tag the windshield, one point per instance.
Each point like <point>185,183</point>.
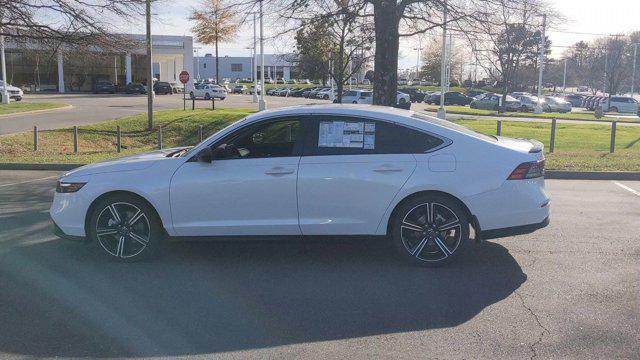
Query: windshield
<point>453,126</point>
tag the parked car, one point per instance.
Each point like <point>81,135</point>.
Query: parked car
<point>474,93</point>
<point>403,98</point>
<point>280,81</point>
<point>556,104</point>
<point>415,94</point>
<point>366,97</point>
<point>426,83</point>
<point>297,92</point>
<point>15,93</point>
<point>574,99</point>
<point>104,86</point>
<point>450,98</point>
<point>253,87</point>
<point>491,101</point>
<point>268,175</point>
<point>528,103</point>
<point>239,89</point>
<point>135,88</point>
<point>352,96</point>
<point>324,94</point>
<point>208,91</point>
<point>622,104</point>
<point>176,88</point>
<point>162,88</point>
<point>402,81</point>
<point>313,92</point>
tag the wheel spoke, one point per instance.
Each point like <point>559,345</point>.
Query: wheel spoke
<point>120,248</point>
<point>106,231</point>
<point>445,250</point>
<point>449,226</point>
<point>429,212</point>
<point>135,217</point>
<point>138,238</point>
<point>418,249</point>
<point>411,226</point>
<point>114,213</point>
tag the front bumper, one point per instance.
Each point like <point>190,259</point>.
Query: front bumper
<point>59,233</point>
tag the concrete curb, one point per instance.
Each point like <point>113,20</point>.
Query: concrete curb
<point>549,174</point>
<point>31,112</point>
<point>592,175</point>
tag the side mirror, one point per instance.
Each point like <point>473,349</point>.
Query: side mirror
<point>205,155</point>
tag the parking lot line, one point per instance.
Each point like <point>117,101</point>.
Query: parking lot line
<point>627,188</point>
<point>29,181</point>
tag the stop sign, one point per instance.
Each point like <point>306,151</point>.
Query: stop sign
<point>184,77</point>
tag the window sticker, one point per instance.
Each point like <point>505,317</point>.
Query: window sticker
<point>341,134</point>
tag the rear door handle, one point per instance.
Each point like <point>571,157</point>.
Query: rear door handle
<point>278,170</point>
<point>387,168</point>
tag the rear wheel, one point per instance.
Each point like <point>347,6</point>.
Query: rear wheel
<point>430,230</point>
<point>191,95</point>
<point>614,109</point>
<point>124,228</point>
<point>207,96</point>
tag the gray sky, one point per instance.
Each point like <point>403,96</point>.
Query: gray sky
<point>584,19</point>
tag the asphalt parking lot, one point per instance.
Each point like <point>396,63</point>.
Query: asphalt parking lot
<point>570,290</point>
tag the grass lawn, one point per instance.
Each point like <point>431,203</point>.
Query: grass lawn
<point>465,110</point>
<point>578,146</point>
<point>19,106</point>
<point>98,142</point>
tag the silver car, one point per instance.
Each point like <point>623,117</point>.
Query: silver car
<point>556,104</point>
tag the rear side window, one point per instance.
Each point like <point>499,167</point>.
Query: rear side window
<point>333,135</point>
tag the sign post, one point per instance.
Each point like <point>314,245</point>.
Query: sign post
<point>184,79</point>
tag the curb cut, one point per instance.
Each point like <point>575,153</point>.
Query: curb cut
<point>592,175</point>
<point>549,174</point>
<point>31,112</point>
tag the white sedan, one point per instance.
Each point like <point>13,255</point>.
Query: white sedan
<point>15,93</point>
<point>330,169</point>
<point>207,92</point>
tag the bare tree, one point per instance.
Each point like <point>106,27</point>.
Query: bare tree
<point>215,23</point>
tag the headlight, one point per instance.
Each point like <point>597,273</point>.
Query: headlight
<point>68,187</point>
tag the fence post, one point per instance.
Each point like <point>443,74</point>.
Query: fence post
<point>193,103</point>
<point>35,138</point>
<point>118,139</point>
<point>160,137</point>
<point>213,103</point>
<point>75,139</point>
<point>552,143</point>
<point>200,133</point>
<point>612,147</point>
<point>499,130</point>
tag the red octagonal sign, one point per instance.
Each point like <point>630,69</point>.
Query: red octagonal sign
<point>184,77</point>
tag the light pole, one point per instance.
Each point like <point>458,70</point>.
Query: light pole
<point>262,105</point>
<point>538,109</point>
<point>633,73</point>
<point>442,113</point>
<point>5,92</point>
<point>254,71</point>
<point>419,48</point>
<point>195,51</point>
<point>564,77</point>
<point>150,93</point>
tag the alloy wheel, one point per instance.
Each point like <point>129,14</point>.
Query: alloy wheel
<point>431,232</point>
<point>123,230</point>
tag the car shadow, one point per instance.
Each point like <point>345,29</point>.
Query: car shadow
<point>60,299</point>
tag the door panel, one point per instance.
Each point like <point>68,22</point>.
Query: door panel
<point>348,194</point>
<point>236,197</point>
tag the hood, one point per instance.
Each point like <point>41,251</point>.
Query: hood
<point>10,87</point>
<point>125,163</point>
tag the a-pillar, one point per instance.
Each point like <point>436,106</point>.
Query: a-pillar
<point>60,72</point>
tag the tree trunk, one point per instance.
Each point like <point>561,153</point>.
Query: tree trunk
<point>217,72</point>
<point>385,79</point>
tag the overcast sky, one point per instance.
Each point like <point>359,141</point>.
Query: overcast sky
<point>584,18</point>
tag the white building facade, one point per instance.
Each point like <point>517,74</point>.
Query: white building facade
<point>238,67</point>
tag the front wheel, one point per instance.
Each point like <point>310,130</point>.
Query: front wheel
<point>430,230</point>
<point>124,228</point>
<point>207,96</point>
<point>191,95</point>
<point>614,109</point>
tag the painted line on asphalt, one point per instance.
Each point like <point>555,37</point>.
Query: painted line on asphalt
<point>627,188</point>
<point>29,181</point>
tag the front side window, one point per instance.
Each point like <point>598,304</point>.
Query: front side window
<point>270,139</point>
<point>335,135</point>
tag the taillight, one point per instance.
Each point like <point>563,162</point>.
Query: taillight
<point>528,170</point>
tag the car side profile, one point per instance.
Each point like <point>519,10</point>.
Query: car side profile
<point>325,170</point>
<point>207,92</point>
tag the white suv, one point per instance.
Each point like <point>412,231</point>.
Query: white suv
<point>621,104</point>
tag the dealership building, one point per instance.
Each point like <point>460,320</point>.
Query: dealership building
<point>35,69</point>
<point>240,67</point>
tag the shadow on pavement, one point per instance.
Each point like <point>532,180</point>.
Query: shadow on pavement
<point>59,299</point>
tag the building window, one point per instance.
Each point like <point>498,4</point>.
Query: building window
<point>236,67</point>
<point>204,65</point>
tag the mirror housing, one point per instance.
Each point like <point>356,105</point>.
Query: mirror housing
<point>205,155</point>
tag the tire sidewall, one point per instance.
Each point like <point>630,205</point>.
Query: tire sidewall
<point>155,225</point>
<point>404,208</point>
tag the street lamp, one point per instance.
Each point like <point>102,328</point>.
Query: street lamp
<point>5,92</point>
<point>418,49</point>
<point>262,105</point>
<point>150,73</point>
<point>442,113</point>
<point>254,70</point>
<point>538,108</point>
<point>633,74</point>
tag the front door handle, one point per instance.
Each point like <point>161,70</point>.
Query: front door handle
<point>278,170</point>
<point>387,168</point>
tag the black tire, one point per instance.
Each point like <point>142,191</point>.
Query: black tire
<point>424,246</point>
<point>207,96</point>
<point>146,226</point>
<point>402,101</point>
<point>613,109</point>
<point>326,97</point>
<point>191,95</point>
<point>354,102</point>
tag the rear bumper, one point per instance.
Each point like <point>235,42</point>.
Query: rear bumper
<point>513,231</point>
